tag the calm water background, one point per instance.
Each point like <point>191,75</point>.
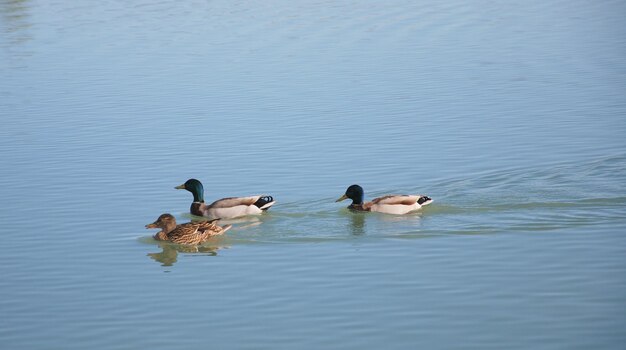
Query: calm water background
<point>512,116</point>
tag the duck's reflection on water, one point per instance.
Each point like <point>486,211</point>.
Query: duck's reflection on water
<point>410,217</point>
<point>357,224</point>
<point>169,254</point>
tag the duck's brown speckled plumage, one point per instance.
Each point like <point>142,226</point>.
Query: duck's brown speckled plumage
<point>191,233</point>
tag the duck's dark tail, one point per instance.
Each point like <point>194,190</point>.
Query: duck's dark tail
<point>265,202</point>
<point>423,200</point>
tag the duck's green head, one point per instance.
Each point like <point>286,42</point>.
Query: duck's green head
<point>195,187</point>
<point>354,192</point>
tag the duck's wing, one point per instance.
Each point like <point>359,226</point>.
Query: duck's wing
<point>207,225</point>
<point>185,234</point>
<point>234,201</point>
<point>397,199</point>
<point>214,230</point>
<point>227,208</point>
<point>204,223</point>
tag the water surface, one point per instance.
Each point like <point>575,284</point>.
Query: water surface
<point>511,116</point>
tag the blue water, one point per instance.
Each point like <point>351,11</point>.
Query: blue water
<point>512,116</point>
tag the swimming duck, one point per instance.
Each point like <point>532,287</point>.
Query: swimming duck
<point>225,208</point>
<point>189,233</point>
<point>390,204</point>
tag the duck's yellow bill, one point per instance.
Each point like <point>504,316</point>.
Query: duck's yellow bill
<point>152,225</point>
<point>180,187</point>
<point>342,198</point>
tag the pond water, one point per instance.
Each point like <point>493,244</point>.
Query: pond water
<point>511,116</point>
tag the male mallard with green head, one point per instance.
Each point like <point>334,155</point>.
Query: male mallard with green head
<point>390,204</point>
<point>225,208</point>
<point>190,233</point>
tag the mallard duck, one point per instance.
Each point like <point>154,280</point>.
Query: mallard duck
<point>390,204</point>
<point>189,233</point>
<point>225,208</point>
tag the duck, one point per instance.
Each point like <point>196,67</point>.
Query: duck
<point>225,208</point>
<point>398,204</point>
<point>191,233</point>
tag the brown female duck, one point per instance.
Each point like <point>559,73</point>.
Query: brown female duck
<point>192,233</point>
